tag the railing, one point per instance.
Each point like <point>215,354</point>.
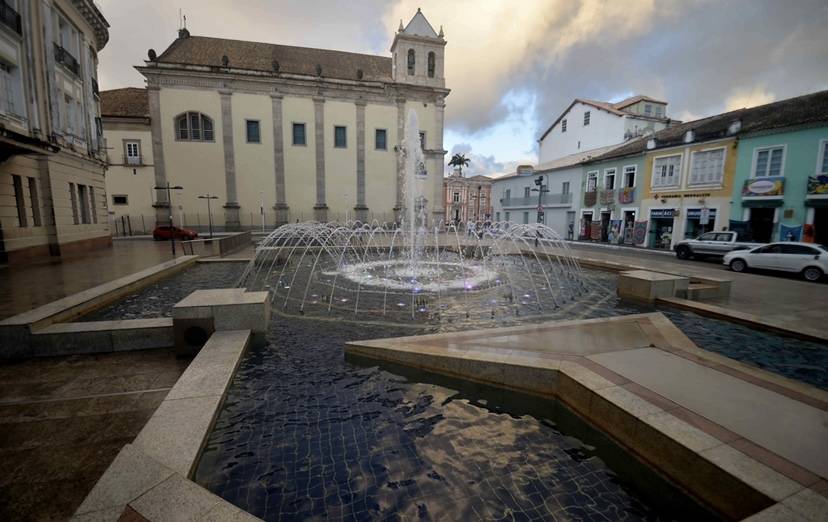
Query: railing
<point>62,56</point>
<point>95,89</point>
<point>532,201</point>
<point>590,198</point>
<point>626,196</point>
<point>133,161</point>
<point>10,18</point>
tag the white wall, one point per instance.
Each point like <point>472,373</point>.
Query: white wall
<point>603,129</point>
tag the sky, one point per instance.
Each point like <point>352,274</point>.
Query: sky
<point>514,66</point>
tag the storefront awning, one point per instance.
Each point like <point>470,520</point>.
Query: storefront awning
<point>762,203</point>
<point>817,203</point>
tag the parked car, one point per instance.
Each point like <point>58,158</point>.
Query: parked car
<point>162,233</point>
<point>712,244</point>
<point>807,259</point>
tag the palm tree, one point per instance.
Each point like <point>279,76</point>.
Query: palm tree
<point>459,161</point>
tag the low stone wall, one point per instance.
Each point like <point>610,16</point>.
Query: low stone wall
<point>16,331</point>
<point>102,336</point>
<point>220,246</point>
<point>150,478</point>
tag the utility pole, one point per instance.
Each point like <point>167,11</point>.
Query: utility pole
<point>168,188</point>
<point>208,197</point>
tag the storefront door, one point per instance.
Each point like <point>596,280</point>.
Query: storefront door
<point>605,222</point>
<point>761,224</point>
<point>661,227</point>
<point>821,226</point>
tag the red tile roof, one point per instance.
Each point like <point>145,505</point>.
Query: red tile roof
<point>130,102</point>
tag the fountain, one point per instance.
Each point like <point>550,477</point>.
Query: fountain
<point>415,270</point>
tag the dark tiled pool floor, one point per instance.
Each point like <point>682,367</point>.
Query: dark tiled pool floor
<point>304,435</point>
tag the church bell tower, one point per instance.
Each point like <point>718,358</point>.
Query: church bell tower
<point>418,53</point>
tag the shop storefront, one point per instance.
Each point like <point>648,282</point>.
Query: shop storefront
<point>662,222</point>
<point>699,221</point>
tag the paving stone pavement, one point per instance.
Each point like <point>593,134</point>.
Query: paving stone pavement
<point>63,420</point>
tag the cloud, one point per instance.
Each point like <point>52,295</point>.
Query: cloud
<point>482,165</point>
<point>701,56</point>
<point>750,97</point>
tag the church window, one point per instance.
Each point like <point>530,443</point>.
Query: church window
<point>194,126</point>
<point>380,139</point>
<point>254,134</point>
<point>586,118</point>
<point>563,125</point>
<point>340,137</point>
<point>431,64</point>
<point>299,134</point>
<point>411,62</point>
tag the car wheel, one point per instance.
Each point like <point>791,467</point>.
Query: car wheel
<point>683,252</point>
<point>157,238</point>
<point>812,273</point>
<point>738,265</point>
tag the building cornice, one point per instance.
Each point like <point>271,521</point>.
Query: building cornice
<point>93,17</point>
<point>288,84</point>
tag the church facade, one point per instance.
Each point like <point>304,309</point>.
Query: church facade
<point>294,133</point>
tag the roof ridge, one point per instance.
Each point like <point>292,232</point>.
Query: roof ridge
<point>281,45</point>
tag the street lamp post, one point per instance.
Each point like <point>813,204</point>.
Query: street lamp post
<point>541,188</point>
<point>168,188</point>
<point>261,209</point>
<point>479,188</point>
<point>208,197</point>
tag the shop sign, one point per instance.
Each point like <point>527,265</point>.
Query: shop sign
<point>656,213</point>
<point>818,185</point>
<point>704,216</point>
<point>764,187</point>
<point>698,213</point>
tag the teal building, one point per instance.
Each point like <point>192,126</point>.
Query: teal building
<point>781,183</point>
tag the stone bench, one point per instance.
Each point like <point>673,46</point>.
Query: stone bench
<point>643,285</point>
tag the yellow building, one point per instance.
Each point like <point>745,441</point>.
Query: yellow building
<point>688,188</point>
<point>295,133</point>
<point>52,199</point>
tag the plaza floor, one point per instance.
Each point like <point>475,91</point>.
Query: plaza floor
<point>23,287</point>
<point>63,420</point>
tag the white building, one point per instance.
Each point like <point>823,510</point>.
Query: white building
<point>300,133</point>
<point>589,124</point>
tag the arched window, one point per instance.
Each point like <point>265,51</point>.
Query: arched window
<point>431,64</point>
<point>411,62</point>
<point>193,126</point>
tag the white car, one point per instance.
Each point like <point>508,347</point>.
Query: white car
<point>808,259</point>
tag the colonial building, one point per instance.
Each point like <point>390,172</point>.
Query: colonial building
<point>130,179</point>
<point>311,134</point>
<point>781,178</point>
<point>517,198</point>
<point>467,199</point>
<point>590,124</point>
<point>612,192</point>
<point>52,197</point>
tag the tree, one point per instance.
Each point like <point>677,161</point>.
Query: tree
<point>459,161</point>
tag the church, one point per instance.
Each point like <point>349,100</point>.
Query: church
<point>287,133</point>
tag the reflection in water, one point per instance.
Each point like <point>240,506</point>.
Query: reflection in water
<point>306,434</point>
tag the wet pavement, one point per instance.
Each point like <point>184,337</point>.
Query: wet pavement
<point>23,287</point>
<point>63,420</point>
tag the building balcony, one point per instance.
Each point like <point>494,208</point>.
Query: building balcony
<point>590,198</point>
<point>10,18</point>
<point>607,197</point>
<point>548,200</point>
<point>63,57</point>
<point>95,90</point>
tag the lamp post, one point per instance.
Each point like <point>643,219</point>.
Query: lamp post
<point>477,217</point>
<point>208,197</point>
<point>541,188</point>
<point>261,209</point>
<point>168,188</point>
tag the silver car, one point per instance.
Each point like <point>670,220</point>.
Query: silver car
<point>808,259</point>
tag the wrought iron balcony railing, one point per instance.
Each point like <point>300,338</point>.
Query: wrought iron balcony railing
<point>590,198</point>
<point>62,56</point>
<point>607,197</point>
<point>10,18</point>
<point>532,201</point>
